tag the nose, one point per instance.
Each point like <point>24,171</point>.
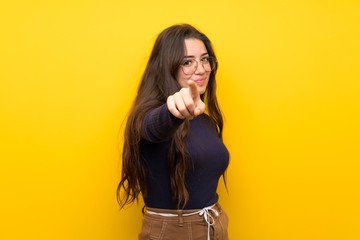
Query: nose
<point>200,68</point>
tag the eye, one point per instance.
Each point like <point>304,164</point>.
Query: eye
<point>188,62</point>
<point>206,59</point>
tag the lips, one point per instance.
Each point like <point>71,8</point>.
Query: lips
<point>200,81</point>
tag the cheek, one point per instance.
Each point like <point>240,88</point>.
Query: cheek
<point>207,82</point>
<point>182,79</point>
<point>207,79</point>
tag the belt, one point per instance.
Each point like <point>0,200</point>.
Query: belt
<point>209,219</point>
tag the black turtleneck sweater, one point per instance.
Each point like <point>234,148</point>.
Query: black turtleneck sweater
<point>209,159</point>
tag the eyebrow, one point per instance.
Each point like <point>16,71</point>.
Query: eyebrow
<point>194,56</point>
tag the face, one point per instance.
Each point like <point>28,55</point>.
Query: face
<point>195,49</point>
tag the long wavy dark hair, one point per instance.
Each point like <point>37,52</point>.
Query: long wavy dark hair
<point>158,82</point>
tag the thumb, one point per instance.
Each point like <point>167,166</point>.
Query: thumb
<point>200,108</point>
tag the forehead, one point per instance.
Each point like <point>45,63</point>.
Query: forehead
<point>194,47</point>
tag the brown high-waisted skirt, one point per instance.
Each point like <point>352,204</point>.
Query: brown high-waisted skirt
<point>195,224</point>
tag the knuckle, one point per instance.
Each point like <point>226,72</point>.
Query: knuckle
<point>171,108</point>
<point>183,90</point>
<point>182,109</point>
<point>190,105</point>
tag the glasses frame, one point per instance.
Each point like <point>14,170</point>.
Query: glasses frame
<point>202,63</point>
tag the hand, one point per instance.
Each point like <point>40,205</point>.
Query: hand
<point>186,103</point>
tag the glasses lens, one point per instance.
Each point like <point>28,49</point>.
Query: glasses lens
<point>189,66</point>
<point>210,64</point>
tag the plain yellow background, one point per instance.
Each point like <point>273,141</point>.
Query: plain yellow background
<point>288,84</point>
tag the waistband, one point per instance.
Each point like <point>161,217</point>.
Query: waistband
<point>207,213</point>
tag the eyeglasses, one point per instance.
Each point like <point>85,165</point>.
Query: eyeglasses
<point>189,66</point>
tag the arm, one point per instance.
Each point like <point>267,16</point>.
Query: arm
<point>159,124</point>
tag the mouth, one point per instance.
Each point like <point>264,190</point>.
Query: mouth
<point>200,81</point>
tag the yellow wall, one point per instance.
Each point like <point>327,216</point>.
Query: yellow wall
<point>288,85</point>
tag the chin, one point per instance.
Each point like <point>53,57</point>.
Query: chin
<point>202,91</point>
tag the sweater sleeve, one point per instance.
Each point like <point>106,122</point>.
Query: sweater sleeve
<point>159,124</point>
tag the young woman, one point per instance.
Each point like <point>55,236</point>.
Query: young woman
<point>173,152</point>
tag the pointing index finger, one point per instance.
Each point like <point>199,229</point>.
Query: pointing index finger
<point>193,89</point>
